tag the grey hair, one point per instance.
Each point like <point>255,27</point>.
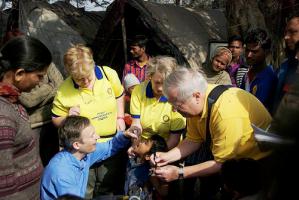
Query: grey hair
<point>186,81</point>
<point>162,64</point>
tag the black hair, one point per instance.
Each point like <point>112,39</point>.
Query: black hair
<point>159,144</point>
<point>235,38</point>
<point>24,52</point>
<point>258,36</point>
<point>71,130</point>
<point>139,40</point>
<point>242,175</point>
<point>292,16</point>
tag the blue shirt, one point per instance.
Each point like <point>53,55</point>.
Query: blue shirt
<point>137,175</point>
<point>65,174</point>
<point>262,86</point>
<point>285,74</point>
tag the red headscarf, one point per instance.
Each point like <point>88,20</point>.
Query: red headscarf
<point>10,92</point>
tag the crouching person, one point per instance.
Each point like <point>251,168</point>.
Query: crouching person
<point>67,172</point>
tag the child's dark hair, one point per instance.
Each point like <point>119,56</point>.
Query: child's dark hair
<point>235,38</point>
<point>71,130</point>
<point>159,144</point>
<point>139,40</point>
<point>242,175</point>
<point>258,36</point>
<point>24,52</point>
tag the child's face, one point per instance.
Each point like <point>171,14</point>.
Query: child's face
<point>142,147</point>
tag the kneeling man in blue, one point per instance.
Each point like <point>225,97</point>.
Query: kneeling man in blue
<point>67,172</point>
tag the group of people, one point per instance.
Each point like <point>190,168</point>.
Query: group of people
<point>175,113</point>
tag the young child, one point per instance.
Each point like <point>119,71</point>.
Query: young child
<point>130,81</point>
<point>139,182</point>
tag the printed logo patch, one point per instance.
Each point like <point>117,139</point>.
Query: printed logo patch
<point>101,116</point>
<point>166,118</point>
<point>109,91</point>
<point>254,89</point>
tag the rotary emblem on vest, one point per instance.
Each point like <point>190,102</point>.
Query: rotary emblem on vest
<point>165,118</point>
<point>109,91</point>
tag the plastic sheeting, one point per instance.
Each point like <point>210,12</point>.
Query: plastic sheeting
<point>58,26</point>
<point>173,30</point>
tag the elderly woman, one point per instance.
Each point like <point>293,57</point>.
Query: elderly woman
<point>214,72</point>
<point>23,63</point>
<point>94,92</point>
<point>150,110</point>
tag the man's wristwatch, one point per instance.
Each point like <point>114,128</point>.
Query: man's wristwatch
<point>181,172</point>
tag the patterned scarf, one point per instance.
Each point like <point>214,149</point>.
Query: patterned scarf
<point>9,92</point>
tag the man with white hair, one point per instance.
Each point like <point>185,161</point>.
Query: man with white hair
<point>230,127</point>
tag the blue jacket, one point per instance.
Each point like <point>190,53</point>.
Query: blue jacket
<point>263,86</point>
<point>285,77</point>
<point>65,174</point>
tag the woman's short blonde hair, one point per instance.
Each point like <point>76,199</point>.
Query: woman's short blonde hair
<point>162,64</point>
<point>223,50</point>
<point>78,61</point>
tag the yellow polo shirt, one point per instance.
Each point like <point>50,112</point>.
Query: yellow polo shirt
<point>230,125</point>
<point>156,115</point>
<point>98,104</point>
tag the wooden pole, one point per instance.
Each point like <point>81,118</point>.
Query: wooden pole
<point>124,36</point>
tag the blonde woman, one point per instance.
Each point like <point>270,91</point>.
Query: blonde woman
<point>150,110</point>
<point>96,93</point>
<point>154,115</point>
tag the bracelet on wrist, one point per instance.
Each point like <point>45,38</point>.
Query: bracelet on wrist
<point>120,118</point>
<point>181,171</point>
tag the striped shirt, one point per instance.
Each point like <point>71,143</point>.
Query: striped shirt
<point>20,167</point>
<point>133,67</point>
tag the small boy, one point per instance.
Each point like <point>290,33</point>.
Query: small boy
<point>139,181</point>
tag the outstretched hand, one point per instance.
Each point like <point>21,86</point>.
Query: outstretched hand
<point>133,132</point>
<point>167,173</point>
<point>159,159</point>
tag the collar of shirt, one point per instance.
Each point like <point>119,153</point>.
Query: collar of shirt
<point>150,93</point>
<point>139,64</point>
<point>262,73</point>
<point>204,113</point>
<point>80,164</point>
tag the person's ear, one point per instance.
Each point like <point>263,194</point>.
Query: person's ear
<point>197,95</point>
<point>76,145</point>
<point>20,74</point>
